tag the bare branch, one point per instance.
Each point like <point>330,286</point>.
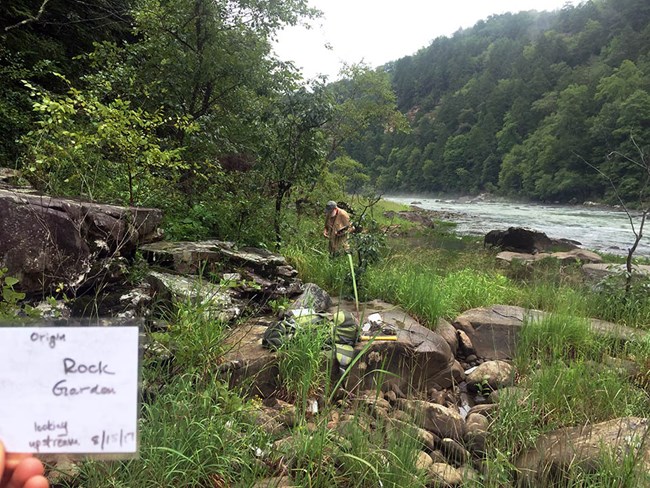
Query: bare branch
<point>29,19</point>
<point>611,182</point>
<point>627,158</point>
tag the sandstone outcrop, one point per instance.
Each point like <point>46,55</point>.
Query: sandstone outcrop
<point>45,241</point>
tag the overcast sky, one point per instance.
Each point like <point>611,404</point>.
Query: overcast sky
<point>378,31</point>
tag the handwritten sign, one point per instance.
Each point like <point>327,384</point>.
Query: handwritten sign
<point>70,390</point>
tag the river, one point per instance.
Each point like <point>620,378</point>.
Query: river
<point>600,229</point>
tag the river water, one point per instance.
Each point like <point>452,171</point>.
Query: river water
<point>606,230</point>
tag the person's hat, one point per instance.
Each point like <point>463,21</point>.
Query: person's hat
<point>331,205</point>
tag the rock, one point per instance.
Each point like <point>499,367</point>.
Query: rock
<point>53,309</point>
<point>435,418</point>
<point>423,461</point>
<point>115,301</point>
<point>522,257</point>
<point>476,428</point>
<point>45,241</point>
<point>492,375</point>
<point>584,446</point>
<point>247,364</point>
<point>568,257</point>
<point>264,273</point>
<point>518,239</point>
<point>625,367</point>
<point>448,333</point>
<point>313,297</point>
<point>598,271</point>
<point>455,453</point>
<point>496,329</point>
<point>371,400</point>
<point>465,325</point>
<point>445,474</point>
<point>465,344</point>
<point>577,255</point>
<point>390,397</point>
<point>418,360</point>
<point>487,409</point>
<point>476,422</point>
<point>210,299</point>
<point>429,440</point>
<point>437,456</point>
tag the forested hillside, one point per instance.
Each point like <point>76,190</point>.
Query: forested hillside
<point>520,103</point>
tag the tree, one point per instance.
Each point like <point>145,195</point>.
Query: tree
<point>363,98</point>
<point>643,166</point>
<point>101,150</point>
<point>295,151</point>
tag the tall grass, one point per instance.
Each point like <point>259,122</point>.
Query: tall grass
<point>189,437</point>
<point>429,295</point>
<point>556,337</point>
<point>304,365</point>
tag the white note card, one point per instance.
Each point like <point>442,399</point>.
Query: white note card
<point>71,390</point>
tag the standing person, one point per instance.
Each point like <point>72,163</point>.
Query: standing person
<point>337,226</point>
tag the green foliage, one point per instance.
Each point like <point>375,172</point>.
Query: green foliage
<point>9,303</point>
<point>195,337</point>
<point>302,365</point>
<point>189,437</point>
<point>614,303</point>
<point>555,338</point>
<point>429,295</point>
<point>559,391</point>
<point>80,141</point>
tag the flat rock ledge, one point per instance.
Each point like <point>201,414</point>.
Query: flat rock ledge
<point>567,257</point>
<point>598,271</point>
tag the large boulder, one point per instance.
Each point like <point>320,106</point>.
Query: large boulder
<point>586,447</point>
<point>46,241</point>
<point>518,239</point>
<point>418,360</point>
<point>493,330</point>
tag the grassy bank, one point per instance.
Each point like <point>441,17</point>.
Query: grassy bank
<point>195,431</point>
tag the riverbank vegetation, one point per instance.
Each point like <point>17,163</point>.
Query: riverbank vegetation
<point>196,431</point>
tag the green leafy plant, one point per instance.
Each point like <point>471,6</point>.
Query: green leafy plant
<point>10,303</point>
